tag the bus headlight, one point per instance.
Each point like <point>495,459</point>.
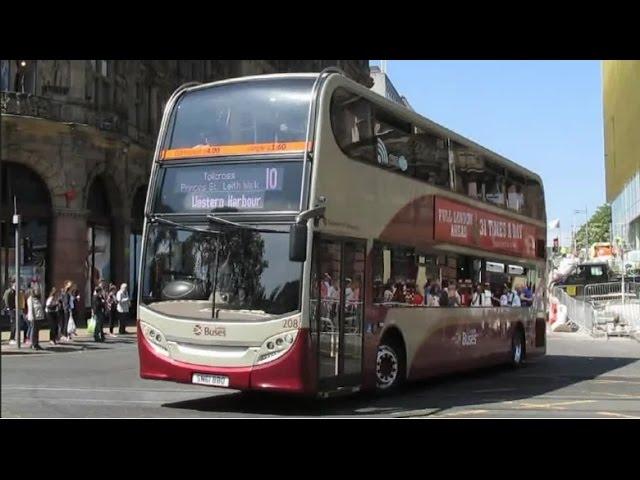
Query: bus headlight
<point>276,346</point>
<point>155,337</point>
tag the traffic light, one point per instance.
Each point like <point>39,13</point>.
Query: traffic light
<point>27,249</point>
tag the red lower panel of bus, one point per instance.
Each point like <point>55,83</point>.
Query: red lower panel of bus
<point>289,373</point>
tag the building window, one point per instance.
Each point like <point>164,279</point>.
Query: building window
<point>34,204</point>
<point>101,67</point>
<point>24,78</point>
<point>4,75</point>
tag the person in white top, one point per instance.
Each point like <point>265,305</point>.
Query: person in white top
<point>122,306</point>
<point>514,298</point>
<point>504,298</point>
<point>486,296</point>
<point>476,298</point>
<point>35,314</point>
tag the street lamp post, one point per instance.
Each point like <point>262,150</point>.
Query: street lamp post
<point>16,222</point>
<point>586,227</point>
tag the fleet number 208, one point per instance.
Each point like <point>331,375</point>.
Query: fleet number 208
<point>291,323</point>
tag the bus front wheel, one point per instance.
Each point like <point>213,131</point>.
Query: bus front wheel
<point>389,366</point>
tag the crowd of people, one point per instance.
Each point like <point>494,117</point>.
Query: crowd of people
<point>109,304</point>
<point>462,293</point>
<point>452,294</point>
<point>61,310</point>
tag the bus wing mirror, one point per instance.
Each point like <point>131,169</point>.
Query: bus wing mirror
<point>298,242</point>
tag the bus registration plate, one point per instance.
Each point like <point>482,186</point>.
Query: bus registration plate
<point>211,380</point>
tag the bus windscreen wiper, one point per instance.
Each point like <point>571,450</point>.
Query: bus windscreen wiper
<point>164,221</point>
<point>229,223</point>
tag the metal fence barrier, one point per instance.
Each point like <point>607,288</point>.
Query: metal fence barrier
<point>604,309</point>
<point>582,314</point>
<point>611,291</point>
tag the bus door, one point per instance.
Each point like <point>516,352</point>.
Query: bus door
<point>337,310</point>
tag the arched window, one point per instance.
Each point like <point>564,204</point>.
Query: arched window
<point>34,205</point>
<point>98,202</point>
<point>99,264</point>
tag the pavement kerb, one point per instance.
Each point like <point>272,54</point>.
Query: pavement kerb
<point>80,343</point>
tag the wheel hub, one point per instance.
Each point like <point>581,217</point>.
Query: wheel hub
<point>517,352</point>
<point>386,367</point>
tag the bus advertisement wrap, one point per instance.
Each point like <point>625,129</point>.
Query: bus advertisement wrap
<point>464,225</point>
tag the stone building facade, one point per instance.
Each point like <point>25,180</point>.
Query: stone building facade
<point>76,145</point>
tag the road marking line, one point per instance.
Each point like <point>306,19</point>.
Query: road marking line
<point>83,400</point>
<point>558,405</point>
<point>87,389</point>
<point>415,413</point>
<point>463,412</point>
<point>613,414</point>
<point>616,381</point>
<point>621,395</point>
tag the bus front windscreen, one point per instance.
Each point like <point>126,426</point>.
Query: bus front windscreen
<point>248,117</point>
<point>244,274</point>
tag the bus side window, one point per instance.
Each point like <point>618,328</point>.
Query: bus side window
<point>351,122</point>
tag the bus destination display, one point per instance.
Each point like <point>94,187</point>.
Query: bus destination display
<point>230,188</point>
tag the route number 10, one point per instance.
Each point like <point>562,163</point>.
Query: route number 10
<point>271,178</point>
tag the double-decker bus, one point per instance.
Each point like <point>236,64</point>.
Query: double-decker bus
<point>300,230</point>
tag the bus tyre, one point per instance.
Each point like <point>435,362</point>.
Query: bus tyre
<point>517,348</point>
<point>390,366</point>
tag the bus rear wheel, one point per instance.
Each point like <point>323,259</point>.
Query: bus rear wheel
<point>517,348</point>
<point>389,366</point>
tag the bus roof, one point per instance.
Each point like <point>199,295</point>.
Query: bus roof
<point>410,115</point>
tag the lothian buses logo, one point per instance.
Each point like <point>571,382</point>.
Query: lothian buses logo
<point>209,331</point>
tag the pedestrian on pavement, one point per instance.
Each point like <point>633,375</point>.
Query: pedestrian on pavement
<point>476,298</point>
<point>75,311</point>
<point>122,298</point>
<point>27,325</point>
<point>35,315</point>
<point>51,309</point>
<point>112,308</point>
<point>9,302</point>
<point>66,310</point>
<point>514,297</point>
<point>71,322</point>
<point>487,296</point>
<point>526,297</point>
<point>98,306</point>
<point>443,301</point>
<point>504,296</point>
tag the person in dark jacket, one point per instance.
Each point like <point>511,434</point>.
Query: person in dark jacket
<point>98,305</point>
<point>51,310</point>
<point>112,308</point>
<point>66,310</point>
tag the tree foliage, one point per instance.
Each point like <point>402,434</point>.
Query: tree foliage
<point>599,228</point>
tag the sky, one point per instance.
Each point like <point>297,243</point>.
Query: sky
<point>543,115</point>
